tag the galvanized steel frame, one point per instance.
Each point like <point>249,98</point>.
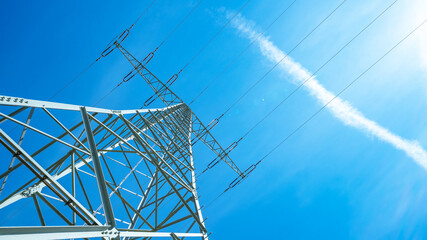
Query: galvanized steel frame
<point>161,137</point>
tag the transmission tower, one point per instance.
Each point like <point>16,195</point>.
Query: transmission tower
<point>113,174</point>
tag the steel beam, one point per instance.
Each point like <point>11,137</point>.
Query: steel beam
<point>193,184</point>
<point>23,102</point>
<point>70,232</point>
<point>102,187</point>
<point>162,171</point>
<point>161,137</point>
<point>18,195</point>
<point>49,232</point>
<point>24,157</point>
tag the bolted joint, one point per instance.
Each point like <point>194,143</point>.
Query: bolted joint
<point>68,202</point>
<point>17,153</point>
<point>111,233</point>
<point>29,192</point>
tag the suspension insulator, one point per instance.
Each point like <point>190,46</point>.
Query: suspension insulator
<point>231,147</point>
<point>149,101</point>
<point>148,58</point>
<point>213,163</point>
<point>249,170</point>
<point>117,40</point>
<point>236,181</point>
<point>172,79</point>
<point>212,124</point>
<point>130,75</point>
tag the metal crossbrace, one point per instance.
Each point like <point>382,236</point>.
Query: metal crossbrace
<point>140,161</point>
<point>169,98</point>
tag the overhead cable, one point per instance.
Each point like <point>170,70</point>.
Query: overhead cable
<point>110,47</point>
<point>241,53</point>
<point>150,55</point>
<point>234,144</point>
<point>253,166</point>
<point>174,77</point>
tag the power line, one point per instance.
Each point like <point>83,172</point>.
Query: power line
<point>75,78</point>
<point>344,89</point>
<point>234,144</point>
<point>14,213</point>
<point>107,51</point>
<point>177,26</point>
<point>214,122</point>
<point>175,76</point>
<point>142,14</point>
<point>150,55</point>
<point>241,53</point>
<point>253,166</point>
<point>108,94</point>
<point>286,55</point>
<point>213,37</point>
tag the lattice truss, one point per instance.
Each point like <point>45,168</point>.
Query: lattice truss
<point>93,172</point>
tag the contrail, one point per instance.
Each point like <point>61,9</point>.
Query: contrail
<point>339,108</point>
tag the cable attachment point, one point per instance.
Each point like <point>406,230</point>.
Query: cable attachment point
<point>212,164</point>
<point>208,128</point>
<point>236,181</point>
<point>131,74</point>
<point>242,177</point>
<point>221,156</point>
<point>122,36</point>
<point>149,101</point>
<point>134,71</point>
<point>231,147</point>
<point>163,88</point>
<point>212,124</point>
<point>148,58</point>
<point>222,115</point>
<point>249,170</point>
<point>113,43</point>
<point>172,79</point>
<point>30,191</point>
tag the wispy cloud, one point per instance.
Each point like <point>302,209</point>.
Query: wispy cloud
<point>339,108</point>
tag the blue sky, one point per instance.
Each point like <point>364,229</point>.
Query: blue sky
<point>330,180</point>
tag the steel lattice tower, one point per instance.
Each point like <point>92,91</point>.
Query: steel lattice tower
<point>115,174</point>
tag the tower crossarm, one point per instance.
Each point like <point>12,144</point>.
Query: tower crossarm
<point>111,146</point>
<point>168,97</point>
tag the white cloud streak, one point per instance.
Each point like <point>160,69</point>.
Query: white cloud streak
<point>339,108</point>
